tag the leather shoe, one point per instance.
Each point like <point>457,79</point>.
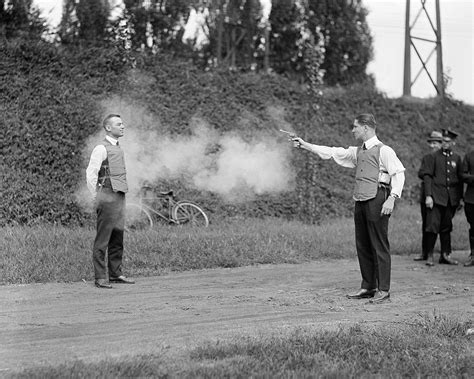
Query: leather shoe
<point>121,279</point>
<point>446,259</point>
<point>420,257</point>
<point>429,260</point>
<point>102,283</point>
<point>362,294</point>
<point>380,297</point>
<point>469,263</point>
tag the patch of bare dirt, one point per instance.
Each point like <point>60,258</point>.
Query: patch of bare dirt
<point>56,322</point>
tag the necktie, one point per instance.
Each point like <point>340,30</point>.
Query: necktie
<point>117,143</point>
<point>363,147</point>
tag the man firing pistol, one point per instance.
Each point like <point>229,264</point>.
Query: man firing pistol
<point>379,181</point>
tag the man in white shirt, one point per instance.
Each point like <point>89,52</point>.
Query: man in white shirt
<point>379,181</point>
<point>107,182</point>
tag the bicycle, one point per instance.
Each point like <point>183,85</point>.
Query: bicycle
<point>139,216</point>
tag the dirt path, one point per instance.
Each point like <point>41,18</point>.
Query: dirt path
<point>56,322</point>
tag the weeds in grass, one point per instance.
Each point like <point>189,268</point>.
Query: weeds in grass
<point>442,325</point>
<point>46,253</point>
<point>357,351</point>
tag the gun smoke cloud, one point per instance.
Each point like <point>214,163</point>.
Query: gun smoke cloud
<point>229,165</point>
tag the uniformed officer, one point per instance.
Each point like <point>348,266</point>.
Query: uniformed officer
<point>443,185</point>
<point>379,180</point>
<point>434,141</point>
<point>107,181</point>
<point>468,176</point>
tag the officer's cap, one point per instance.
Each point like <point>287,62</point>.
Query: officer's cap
<point>449,134</point>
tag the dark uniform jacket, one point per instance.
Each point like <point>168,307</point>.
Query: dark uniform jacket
<point>442,177</point>
<point>468,176</point>
<point>420,175</point>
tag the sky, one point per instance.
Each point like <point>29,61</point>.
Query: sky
<point>386,20</point>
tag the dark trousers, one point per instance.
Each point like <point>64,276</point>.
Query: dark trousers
<point>109,237</point>
<point>439,219</point>
<point>373,248</point>
<point>424,238</point>
<point>469,212</point>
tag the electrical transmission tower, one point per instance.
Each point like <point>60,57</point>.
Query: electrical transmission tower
<point>410,43</point>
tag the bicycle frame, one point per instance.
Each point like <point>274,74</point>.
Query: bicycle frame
<point>168,197</point>
<point>151,206</point>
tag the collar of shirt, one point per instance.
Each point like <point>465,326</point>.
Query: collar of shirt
<point>113,141</point>
<point>371,142</point>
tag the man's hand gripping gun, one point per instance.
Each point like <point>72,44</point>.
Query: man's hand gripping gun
<point>292,137</point>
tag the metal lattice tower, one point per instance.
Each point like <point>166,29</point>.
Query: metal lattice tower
<point>410,46</point>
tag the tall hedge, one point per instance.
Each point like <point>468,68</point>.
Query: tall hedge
<point>49,101</point>
<point>51,105</point>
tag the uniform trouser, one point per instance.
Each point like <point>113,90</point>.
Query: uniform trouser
<point>439,219</point>
<point>109,235</point>
<point>373,248</point>
<point>469,212</point>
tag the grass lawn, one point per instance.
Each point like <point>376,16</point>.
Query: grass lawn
<point>55,254</point>
<point>433,346</point>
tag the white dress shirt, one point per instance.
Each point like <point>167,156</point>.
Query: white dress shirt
<point>388,160</point>
<point>98,155</point>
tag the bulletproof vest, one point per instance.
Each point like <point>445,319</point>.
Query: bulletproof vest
<point>367,173</point>
<point>112,173</point>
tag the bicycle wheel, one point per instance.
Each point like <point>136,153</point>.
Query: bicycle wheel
<point>185,212</point>
<point>137,218</point>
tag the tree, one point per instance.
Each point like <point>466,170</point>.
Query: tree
<point>287,24</point>
<point>349,43</point>
<point>93,17</point>
<point>18,18</point>
<point>342,24</point>
<point>156,23</point>
<point>85,21</point>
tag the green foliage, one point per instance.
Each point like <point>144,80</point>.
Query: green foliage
<point>19,18</point>
<point>45,253</point>
<point>93,18</point>
<point>238,40</point>
<point>85,21</point>
<point>287,21</point>
<point>357,351</point>
<point>342,27</point>
<point>349,43</point>
<point>52,105</point>
<point>50,108</point>
<point>348,352</point>
<point>62,254</point>
<point>164,19</point>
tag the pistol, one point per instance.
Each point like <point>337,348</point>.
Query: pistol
<point>292,135</point>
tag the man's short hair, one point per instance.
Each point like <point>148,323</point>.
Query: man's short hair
<point>107,118</point>
<point>367,119</point>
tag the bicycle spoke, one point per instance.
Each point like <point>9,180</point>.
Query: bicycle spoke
<point>190,214</point>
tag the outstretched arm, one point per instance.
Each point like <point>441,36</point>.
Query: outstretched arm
<point>342,156</point>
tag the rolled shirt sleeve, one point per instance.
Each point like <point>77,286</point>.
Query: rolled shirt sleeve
<point>98,155</point>
<point>347,157</point>
<point>390,163</point>
<point>342,156</point>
